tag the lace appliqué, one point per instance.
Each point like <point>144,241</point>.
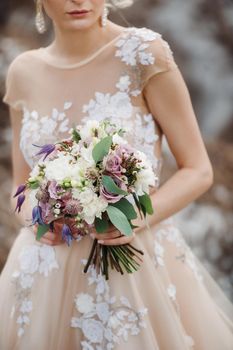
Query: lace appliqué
<point>185,255</point>
<point>32,259</point>
<point>103,319</point>
<point>41,129</point>
<point>132,50</point>
<point>141,131</point>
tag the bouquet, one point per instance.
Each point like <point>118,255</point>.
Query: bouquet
<point>94,177</point>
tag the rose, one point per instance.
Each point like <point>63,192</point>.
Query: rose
<point>112,163</point>
<point>112,197</point>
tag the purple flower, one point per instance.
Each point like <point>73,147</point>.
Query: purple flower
<point>125,150</point>
<point>37,215</point>
<point>112,197</point>
<point>45,150</point>
<point>46,212</point>
<point>113,164</point>
<point>20,201</point>
<point>55,190</point>
<point>67,234</point>
<point>20,189</point>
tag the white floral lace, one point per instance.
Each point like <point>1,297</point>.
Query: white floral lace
<point>32,259</point>
<point>103,319</point>
<point>42,129</point>
<point>131,48</point>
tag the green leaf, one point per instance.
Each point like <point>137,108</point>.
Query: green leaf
<point>138,204</point>
<point>101,225</point>
<point>76,136</point>
<point>111,186</point>
<point>119,220</point>
<point>126,207</point>
<point>145,201</point>
<point>101,149</point>
<point>42,229</point>
<point>33,185</point>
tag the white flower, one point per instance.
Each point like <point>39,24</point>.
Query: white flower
<point>145,178</point>
<point>87,130</point>
<point>87,196</point>
<point>117,139</point>
<point>84,303</point>
<point>171,290</point>
<point>94,209</point>
<point>93,330</point>
<point>86,154</point>
<point>59,168</point>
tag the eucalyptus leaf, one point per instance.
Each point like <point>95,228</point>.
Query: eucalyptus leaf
<point>111,186</point>
<point>41,230</point>
<point>101,149</point>
<point>101,225</point>
<point>126,207</point>
<point>145,201</point>
<point>119,220</point>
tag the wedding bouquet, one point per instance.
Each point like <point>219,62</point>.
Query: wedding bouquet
<point>89,180</point>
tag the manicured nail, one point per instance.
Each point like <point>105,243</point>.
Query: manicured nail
<point>92,235</point>
<point>100,241</point>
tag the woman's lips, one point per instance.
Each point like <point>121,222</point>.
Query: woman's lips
<point>78,13</point>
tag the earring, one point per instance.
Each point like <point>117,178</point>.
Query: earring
<point>39,20</point>
<point>104,16</point>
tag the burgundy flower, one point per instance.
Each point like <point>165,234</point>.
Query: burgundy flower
<point>72,207</point>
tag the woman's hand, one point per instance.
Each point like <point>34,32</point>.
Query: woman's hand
<point>52,237</point>
<point>112,237</point>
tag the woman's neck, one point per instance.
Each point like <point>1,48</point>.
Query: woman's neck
<point>81,43</point>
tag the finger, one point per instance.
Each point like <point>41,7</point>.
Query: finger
<point>117,241</point>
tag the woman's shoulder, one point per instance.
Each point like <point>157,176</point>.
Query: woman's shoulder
<point>22,62</point>
<point>145,47</point>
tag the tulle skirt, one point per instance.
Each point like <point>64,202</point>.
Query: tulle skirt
<point>47,302</point>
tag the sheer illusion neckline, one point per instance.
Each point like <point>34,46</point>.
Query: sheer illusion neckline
<point>48,58</point>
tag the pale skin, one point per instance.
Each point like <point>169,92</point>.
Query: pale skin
<point>168,99</point>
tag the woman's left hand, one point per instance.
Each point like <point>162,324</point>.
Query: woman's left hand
<point>112,237</point>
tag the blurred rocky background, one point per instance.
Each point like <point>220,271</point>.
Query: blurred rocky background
<point>200,34</point>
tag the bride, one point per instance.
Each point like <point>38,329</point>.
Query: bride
<point>96,69</point>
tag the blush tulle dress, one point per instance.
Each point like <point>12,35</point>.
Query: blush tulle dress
<point>46,301</point>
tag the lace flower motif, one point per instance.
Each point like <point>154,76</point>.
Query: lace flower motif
<point>41,129</point>
<point>103,319</point>
<point>32,259</point>
<point>132,47</point>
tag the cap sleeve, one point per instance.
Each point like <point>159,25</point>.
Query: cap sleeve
<point>162,59</point>
<point>13,84</point>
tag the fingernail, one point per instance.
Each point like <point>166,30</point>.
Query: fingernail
<point>92,235</point>
<point>100,241</point>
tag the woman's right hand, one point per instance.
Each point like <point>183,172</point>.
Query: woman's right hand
<point>52,237</point>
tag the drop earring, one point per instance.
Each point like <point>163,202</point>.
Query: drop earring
<point>39,20</point>
<point>104,16</point>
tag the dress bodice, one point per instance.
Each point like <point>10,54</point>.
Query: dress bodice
<point>54,96</point>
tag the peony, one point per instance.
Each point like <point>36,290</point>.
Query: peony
<point>145,178</point>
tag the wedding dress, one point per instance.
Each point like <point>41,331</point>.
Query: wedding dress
<point>46,301</point>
